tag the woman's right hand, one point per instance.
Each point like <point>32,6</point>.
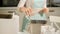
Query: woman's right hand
<point>27,11</point>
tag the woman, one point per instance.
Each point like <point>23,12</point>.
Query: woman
<point>30,8</point>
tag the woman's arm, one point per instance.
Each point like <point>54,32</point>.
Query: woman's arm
<point>21,5</point>
<point>45,9</point>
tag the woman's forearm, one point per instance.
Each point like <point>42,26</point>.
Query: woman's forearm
<point>22,9</point>
<point>21,5</point>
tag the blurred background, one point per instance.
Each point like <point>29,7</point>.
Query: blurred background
<point>9,6</point>
<point>14,3</point>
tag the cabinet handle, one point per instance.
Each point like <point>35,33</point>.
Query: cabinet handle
<point>51,11</point>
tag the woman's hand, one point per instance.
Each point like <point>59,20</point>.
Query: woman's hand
<point>45,10</point>
<point>27,11</point>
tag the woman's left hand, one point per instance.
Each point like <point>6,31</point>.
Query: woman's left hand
<point>45,10</point>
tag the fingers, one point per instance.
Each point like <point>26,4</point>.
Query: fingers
<point>31,13</point>
<point>46,10</point>
<point>28,11</point>
<point>23,9</point>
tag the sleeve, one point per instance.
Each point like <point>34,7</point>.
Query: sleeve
<point>21,3</point>
<point>45,6</point>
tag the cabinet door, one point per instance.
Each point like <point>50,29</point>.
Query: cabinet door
<point>35,28</point>
<point>54,11</point>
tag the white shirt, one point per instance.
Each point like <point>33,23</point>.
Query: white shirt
<point>35,17</point>
<point>21,3</point>
<point>28,3</point>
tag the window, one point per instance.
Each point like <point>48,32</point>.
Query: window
<point>53,3</point>
<point>9,3</point>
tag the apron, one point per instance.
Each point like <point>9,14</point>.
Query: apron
<point>37,4</point>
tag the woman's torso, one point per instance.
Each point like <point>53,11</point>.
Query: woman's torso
<point>36,5</point>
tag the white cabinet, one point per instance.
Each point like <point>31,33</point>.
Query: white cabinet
<point>9,26</point>
<point>56,11</point>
